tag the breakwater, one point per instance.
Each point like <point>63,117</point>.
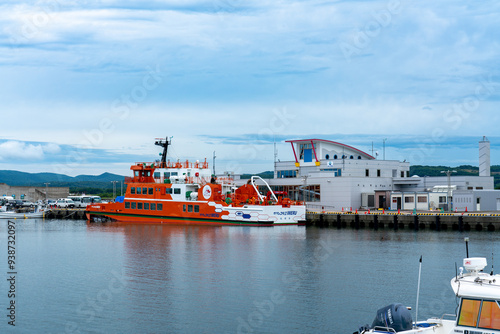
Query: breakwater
<point>412,221</point>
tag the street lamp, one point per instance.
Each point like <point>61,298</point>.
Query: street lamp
<point>114,188</point>
<point>46,190</point>
<point>448,174</point>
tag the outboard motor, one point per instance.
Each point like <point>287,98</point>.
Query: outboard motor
<point>395,316</point>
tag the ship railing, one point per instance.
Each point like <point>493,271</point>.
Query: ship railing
<point>175,164</point>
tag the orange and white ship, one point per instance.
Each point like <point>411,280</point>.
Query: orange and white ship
<point>185,192</point>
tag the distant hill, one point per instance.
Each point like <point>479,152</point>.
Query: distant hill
<point>80,183</point>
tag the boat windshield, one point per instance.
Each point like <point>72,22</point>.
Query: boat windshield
<point>479,313</point>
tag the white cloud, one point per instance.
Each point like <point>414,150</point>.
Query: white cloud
<point>20,150</point>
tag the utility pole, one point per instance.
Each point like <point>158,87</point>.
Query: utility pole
<point>448,174</point>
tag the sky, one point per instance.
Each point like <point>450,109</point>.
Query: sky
<point>87,86</point>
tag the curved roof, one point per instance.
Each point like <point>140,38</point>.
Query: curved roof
<point>330,142</point>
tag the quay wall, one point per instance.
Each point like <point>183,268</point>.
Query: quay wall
<point>419,221</point>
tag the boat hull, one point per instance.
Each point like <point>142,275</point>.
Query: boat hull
<point>209,213</point>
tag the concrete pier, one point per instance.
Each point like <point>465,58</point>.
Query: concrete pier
<point>410,221</point>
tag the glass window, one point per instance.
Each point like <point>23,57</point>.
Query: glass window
<point>144,191</point>
<point>139,206</point>
<point>469,312</point>
<point>490,315</point>
<point>409,199</point>
<point>153,206</point>
<point>138,190</point>
<point>159,207</point>
<point>378,172</point>
<point>190,208</point>
<point>132,190</point>
<point>184,208</point>
<point>168,190</point>
<point>177,191</point>
<point>156,175</point>
<point>127,205</point>
<point>166,174</point>
<point>134,205</point>
<point>422,199</point>
<point>196,208</point>
<point>150,191</point>
<point>146,206</point>
<point>367,172</point>
<point>335,156</point>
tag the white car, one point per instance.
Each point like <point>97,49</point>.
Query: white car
<point>65,203</point>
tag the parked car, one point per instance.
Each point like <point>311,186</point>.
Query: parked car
<point>65,203</point>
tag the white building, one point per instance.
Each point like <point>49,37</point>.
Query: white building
<point>334,176</point>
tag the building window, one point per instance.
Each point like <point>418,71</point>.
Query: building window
<point>442,199</point>
<point>422,199</point>
<point>127,205</point>
<point>378,172</point>
<point>367,172</point>
<point>409,199</point>
<point>479,188</point>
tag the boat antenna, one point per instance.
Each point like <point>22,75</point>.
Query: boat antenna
<point>164,143</point>
<point>418,289</point>
<point>466,239</point>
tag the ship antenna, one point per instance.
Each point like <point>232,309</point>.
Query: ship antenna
<point>466,239</point>
<point>164,144</point>
<point>418,290</point>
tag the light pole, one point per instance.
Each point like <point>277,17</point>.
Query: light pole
<point>114,188</point>
<point>46,191</point>
<point>448,174</point>
<point>384,146</point>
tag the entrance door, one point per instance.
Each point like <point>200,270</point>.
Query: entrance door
<point>381,202</point>
<point>399,203</point>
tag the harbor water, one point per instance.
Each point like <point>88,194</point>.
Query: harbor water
<point>76,277</point>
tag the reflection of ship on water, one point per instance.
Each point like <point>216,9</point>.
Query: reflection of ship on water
<point>189,271</point>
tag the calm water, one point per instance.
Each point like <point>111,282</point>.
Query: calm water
<point>74,277</point>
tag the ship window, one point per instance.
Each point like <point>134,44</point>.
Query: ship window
<point>159,207</point>
<point>469,312</point>
<point>168,190</point>
<point>190,208</point>
<point>177,191</point>
<point>136,173</point>
<point>144,191</point>
<point>132,190</point>
<point>156,175</point>
<point>139,206</point>
<point>146,206</point>
<point>184,208</point>
<point>173,173</point>
<point>138,191</point>
<point>490,315</point>
<point>196,208</point>
<point>327,157</point>
<point>153,206</point>
<point>127,205</point>
<point>335,156</point>
<point>351,157</point>
<point>367,172</point>
<point>134,205</point>
<point>166,174</point>
<point>359,157</point>
<point>150,191</point>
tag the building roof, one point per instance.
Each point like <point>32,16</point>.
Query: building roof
<point>330,142</point>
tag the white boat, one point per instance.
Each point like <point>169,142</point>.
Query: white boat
<point>479,311</point>
<point>38,213</point>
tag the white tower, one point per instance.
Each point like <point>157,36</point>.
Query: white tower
<point>484,157</point>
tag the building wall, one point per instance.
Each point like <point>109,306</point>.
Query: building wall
<point>489,200</point>
<point>34,193</point>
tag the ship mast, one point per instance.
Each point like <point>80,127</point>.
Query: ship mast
<point>163,143</point>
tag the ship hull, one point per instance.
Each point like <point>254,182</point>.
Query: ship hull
<point>209,213</point>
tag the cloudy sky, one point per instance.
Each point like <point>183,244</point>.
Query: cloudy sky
<point>86,86</point>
